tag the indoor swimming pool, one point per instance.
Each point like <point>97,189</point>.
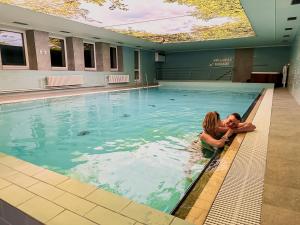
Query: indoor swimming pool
<point>134,143</point>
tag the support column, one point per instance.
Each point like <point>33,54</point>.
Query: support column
<point>75,53</point>
<point>102,56</point>
<point>38,50</point>
<point>120,58</point>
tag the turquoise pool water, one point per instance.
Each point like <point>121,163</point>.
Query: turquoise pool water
<point>134,143</point>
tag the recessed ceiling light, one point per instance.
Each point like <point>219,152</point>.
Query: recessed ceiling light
<point>63,31</point>
<point>292,18</point>
<point>20,23</point>
<point>286,35</point>
<point>294,2</point>
<point>288,28</point>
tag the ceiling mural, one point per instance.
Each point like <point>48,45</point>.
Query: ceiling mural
<point>163,21</point>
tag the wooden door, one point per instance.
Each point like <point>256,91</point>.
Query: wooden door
<point>242,65</point>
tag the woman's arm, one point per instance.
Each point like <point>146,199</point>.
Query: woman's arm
<point>215,142</point>
<point>212,141</point>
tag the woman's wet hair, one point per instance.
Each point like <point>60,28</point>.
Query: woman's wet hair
<point>210,123</point>
<point>218,115</point>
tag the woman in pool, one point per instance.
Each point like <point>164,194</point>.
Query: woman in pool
<point>211,133</point>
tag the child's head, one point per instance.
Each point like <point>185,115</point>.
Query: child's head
<point>211,122</point>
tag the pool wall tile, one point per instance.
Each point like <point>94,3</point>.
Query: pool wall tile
<point>77,188</point>
<point>108,200</point>
<point>40,209</point>
<point>74,204</point>
<point>46,191</point>
<point>15,195</point>
<point>69,218</point>
<point>104,216</point>
<point>51,177</point>
<point>147,215</point>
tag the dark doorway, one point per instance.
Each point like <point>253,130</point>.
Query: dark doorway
<point>242,65</point>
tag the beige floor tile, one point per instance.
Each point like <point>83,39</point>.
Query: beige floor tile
<point>147,215</point>
<point>11,161</point>
<point>77,188</point>
<point>6,171</point>
<point>282,172</point>
<point>106,217</point>
<point>29,169</point>
<point>4,183</point>
<point>74,203</point>
<point>272,215</point>
<point>69,218</point>
<point>281,199</point>
<point>178,221</point>
<point>51,177</point>
<point>22,179</point>
<point>108,200</point>
<point>288,198</point>
<point>46,190</point>
<point>15,195</point>
<point>40,209</point>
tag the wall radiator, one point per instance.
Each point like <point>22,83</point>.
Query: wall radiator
<point>57,81</point>
<point>115,79</point>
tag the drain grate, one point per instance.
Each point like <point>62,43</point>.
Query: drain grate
<point>239,200</point>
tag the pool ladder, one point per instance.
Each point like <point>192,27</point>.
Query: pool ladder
<point>146,79</point>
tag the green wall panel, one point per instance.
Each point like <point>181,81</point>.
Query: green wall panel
<point>270,59</point>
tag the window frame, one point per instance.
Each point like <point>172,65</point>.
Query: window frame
<point>139,70</point>
<point>16,67</point>
<point>65,49</point>
<point>117,62</point>
<point>91,68</point>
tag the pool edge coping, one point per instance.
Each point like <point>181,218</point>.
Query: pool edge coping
<point>77,92</point>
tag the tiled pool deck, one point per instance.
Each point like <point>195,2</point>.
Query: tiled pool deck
<point>54,199</point>
<point>281,196</point>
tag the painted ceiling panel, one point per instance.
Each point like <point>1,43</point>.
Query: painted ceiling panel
<point>162,21</point>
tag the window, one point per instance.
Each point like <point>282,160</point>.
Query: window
<point>89,55</point>
<point>113,58</point>
<point>136,65</point>
<point>57,52</point>
<point>12,48</point>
